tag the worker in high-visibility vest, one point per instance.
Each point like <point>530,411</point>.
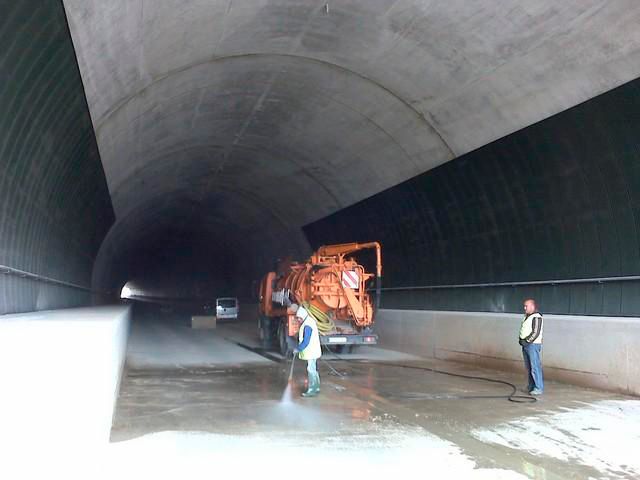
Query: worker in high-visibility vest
<point>308,348</point>
<point>530,338</point>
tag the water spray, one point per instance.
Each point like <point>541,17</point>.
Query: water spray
<point>286,395</point>
<point>293,361</point>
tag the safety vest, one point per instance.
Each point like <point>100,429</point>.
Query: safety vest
<point>313,350</point>
<point>531,328</point>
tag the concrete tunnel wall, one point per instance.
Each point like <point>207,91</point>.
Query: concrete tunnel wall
<point>54,203</point>
<point>242,122</point>
<point>559,200</point>
<point>61,372</point>
<point>593,351</point>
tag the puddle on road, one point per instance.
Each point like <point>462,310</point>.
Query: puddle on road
<point>206,414</point>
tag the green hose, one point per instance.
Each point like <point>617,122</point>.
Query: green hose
<point>325,324</point>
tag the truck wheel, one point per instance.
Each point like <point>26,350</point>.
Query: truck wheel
<point>264,331</point>
<point>260,332</point>
<point>283,340</point>
<point>341,349</point>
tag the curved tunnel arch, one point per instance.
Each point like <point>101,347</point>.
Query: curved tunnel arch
<point>249,55</point>
<point>265,118</point>
<point>290,170</point>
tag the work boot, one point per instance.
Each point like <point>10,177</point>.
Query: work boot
<point>314,386</point>
<point>311,392</point>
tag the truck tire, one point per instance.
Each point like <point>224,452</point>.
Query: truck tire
<point>283,340</point>
<point>265,332</point>
<point>342,349</point>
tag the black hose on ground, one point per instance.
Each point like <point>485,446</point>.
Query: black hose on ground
<point>333,370</point>
<point>512,397</point>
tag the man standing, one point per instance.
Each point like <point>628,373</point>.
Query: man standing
<point>308,348</point>
<point>531,340</point>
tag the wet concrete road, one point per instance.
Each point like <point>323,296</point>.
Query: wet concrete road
<point>377,416</point>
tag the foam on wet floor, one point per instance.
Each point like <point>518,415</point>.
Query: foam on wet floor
<point>604,435</point>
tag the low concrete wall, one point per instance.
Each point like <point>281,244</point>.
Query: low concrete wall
<point>601,352</point>
<point>203,321</point>
<point>60,373</point>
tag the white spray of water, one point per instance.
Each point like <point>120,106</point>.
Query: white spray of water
<point>286,395</point>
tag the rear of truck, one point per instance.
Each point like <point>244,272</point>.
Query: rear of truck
<point>335,291</point>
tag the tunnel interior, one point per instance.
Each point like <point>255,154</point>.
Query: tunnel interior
<point>157,155</point>
<point>189,158</point>
<point>186,147</point>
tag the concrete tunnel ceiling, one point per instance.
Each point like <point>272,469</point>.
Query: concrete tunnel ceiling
<point>244,121</point>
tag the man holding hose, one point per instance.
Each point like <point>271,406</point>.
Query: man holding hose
<point>308,347</point>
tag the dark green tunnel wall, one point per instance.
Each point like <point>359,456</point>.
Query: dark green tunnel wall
<point>557,200</point>
<point>54,203</point>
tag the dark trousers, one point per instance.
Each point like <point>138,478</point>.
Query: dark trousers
<point>533,364</point>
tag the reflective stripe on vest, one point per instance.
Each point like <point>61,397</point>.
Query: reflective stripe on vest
<point>313,350</point>
<point>526,329</point>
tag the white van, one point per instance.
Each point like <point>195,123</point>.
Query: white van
<point>227,308</point>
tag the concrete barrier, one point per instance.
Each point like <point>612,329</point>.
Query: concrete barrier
<point>600,352</point>
<point>61,372</point>
<point>203,321</point>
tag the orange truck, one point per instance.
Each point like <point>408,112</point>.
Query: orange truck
<point>333,286</point>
